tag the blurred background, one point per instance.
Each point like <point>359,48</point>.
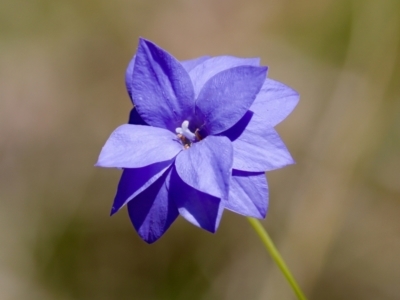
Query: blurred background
<point>335,215</point>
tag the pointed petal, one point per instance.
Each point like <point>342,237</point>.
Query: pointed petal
<point>227,96</point>
<point>248,194</point>
<point>210,67</point>
<point>135,118</point>
<point>161,87</point>
<point>200,209</point>
<point>192,63</point>
<point>136,146</point>
<point>206,166</point>
<point>152,212</point>
<point>128,76</point>
<point>274,103</point>
<point>134,181</point>
<point>236,130</point>
<point>259,150</point>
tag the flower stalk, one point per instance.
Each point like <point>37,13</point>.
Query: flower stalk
<point>269,245</point>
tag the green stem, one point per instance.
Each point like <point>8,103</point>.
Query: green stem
<point>269,245</point>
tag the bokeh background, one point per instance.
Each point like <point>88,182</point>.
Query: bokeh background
<point>335,215</point>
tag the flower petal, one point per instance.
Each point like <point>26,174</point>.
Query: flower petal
<point>274,103</point>
<point>236,130</point>
<point>227,96</point>
<point>206,166</point>
<point>259,149</point>
<point>248,194</point>
<point>152,211</point>
<point>128,76</point>
<point>192,63</point>
<point>211,67</point>
<point>136,146</point>
<point>135,118</point>
<point>134,181</point>
<point>200,209</point>
<point>161,87</point>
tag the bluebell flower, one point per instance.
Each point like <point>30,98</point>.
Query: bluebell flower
<point>200,138</point>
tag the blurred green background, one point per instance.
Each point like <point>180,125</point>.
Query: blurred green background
<point>335,215</point>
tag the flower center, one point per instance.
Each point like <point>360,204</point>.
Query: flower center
<point>186,136</point>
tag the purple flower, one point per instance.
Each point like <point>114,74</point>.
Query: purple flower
<point>199,139</point>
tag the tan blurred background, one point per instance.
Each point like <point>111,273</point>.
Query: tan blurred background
<point>335,215</point>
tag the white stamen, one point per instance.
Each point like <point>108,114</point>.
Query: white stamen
<point>185,131</point>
